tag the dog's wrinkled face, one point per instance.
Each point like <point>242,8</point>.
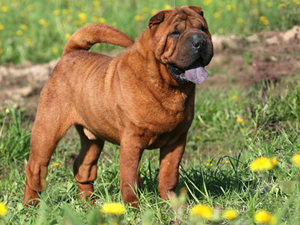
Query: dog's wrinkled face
<point>182,42</point>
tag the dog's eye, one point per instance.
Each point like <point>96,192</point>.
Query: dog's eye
<point>204,29</point>
<point>175,34</point>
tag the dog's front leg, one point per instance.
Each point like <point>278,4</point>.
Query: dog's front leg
<point>170,157</point>
<point>130,182</point>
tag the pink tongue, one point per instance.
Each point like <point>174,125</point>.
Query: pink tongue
<point>196,75</point>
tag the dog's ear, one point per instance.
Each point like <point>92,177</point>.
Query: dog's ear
<point>157,18</point>
<point>197,9</point>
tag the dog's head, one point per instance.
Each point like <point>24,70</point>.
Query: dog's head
<point>180,39</point>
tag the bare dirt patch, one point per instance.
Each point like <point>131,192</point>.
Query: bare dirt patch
<point>238,61</point>
<point>263,57</point>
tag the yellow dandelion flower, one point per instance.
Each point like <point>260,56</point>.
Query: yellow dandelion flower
<point>69,19</point>
<point>67,11</point>
<point>168,7</point>
<point>221,30</point>
<point>82,16</point>
<point>56,12</point>
<point>296,160</point>
<point>264,217</point>
<point>254,2</point>
<point>138,18</point>
<point>68,35</point>
<point>229,214</point>
<point>234,97</point>
<point>240,120</point>
<point>55,51</point>
<point>113,208</point>
<point>42,22</point>
<point>1,27</point>
<point>19,32</point>
<point>227,162</point>
<point>242,130</point>
<point>7,110</point>
<point>56,164</point>
<point>202,211</point>
<point>1,51</point>
<point>274,161</point>
<point>241,21</point>
<point>3,209</point>
<point>94,19</point>
<point>263,163</point>
<point>23,27</point>
<point>30,7</point>
<point>77,23</point>
<point>269,4</point>
<point>96,3</point>
<point>282,5</point>
<point>229,7</point>
<point>255,11</point>
<point>217,14</point>
<point>264,20</point>
<point>4,8</point>
<point>198,137</point>
<point>207,2</point>
<point>153,12</point>
<point>102,20</point>
<point>28,40</point>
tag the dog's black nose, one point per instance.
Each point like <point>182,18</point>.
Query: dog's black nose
<point>198,41</point>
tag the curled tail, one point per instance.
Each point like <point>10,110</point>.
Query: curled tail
<point>89,35</point>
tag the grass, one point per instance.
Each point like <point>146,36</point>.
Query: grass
<point>38,30</point>
<point>229,131</point>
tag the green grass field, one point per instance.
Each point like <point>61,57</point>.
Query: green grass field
<point>230,130</point>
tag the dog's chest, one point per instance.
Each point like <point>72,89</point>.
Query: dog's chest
<point>165,130</point>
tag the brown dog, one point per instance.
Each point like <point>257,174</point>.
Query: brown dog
<point>141,99</point>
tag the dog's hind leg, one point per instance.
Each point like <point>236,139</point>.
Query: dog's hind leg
<point>51,124</point>
<point>85,165</point>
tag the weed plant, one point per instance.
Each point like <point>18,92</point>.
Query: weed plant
<point>38,30</point>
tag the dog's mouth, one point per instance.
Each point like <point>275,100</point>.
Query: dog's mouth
<point>195,73</point>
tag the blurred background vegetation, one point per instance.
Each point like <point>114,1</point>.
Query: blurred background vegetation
<point>38,30</point>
